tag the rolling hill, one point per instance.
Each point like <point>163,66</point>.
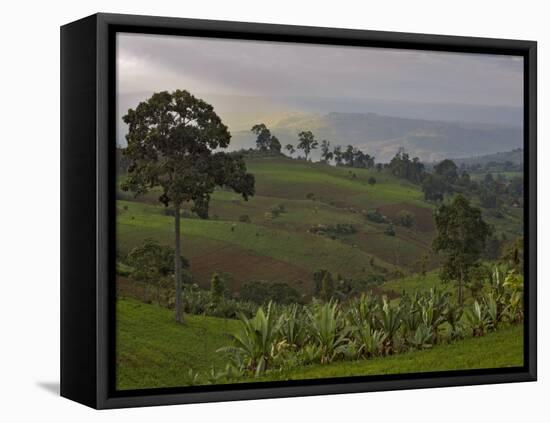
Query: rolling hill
<point>289,228</point>
<point>282,247</point>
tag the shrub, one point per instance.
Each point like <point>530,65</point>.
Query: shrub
<point>277,210</point>
<point>372,180</point>
<point>423,337</point>
<point>390,231</point>
<point>333,231</point>
<point>123,269</point>
<point>244,218</point>
<point>292,326</point>
<point>477,319</point>
<point>278,338</point>
<point>375,216</point>
<point>217,287</point>
<point>254,344</point>
<point>199,301</point>
<point>327,331</point>
<point>389,321</point>
<point>405,219</point>
<point>262,292</point>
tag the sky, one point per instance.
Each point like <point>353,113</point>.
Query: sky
<point>281,84</point>
<point>148,63</point>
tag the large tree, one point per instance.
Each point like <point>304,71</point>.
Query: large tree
<point>461,238</point>
<point>307,142</point>
<point>172,139</point>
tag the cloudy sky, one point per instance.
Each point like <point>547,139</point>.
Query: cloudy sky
<point>148,63</point>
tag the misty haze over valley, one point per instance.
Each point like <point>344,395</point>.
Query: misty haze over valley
<point>431,131</point>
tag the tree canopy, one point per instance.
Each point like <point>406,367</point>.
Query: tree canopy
<point>326,153</point>
<point>447,170</point>
<point>307,142</point>
<point>461,238</point>
<point>173,142</point>
<point>265,141</point>
<point>402,166</point>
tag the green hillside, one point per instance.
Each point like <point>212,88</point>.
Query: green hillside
<point>280,246</point>
<point>146,359</point>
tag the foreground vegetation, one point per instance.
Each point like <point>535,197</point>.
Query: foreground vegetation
<point>280,341</point>
<point>278,338</point>
<point>145,359</point>
<point>496,350</point>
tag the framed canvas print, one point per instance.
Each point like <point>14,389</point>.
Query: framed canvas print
<point>255,211</point>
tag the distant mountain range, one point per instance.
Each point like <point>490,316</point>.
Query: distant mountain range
<point>378,127</point>
<point>382,136</point>
<point>515,156</point>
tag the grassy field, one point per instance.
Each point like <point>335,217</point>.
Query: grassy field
<point>282,248</point>
<point>153,351</point>
<point>243,249</point>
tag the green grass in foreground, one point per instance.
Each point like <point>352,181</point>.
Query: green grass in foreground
<point>153,351</point>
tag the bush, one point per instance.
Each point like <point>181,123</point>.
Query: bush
<point>375,216</point>
<point>198,301</point>
<point>372,180</point>
<point>405,219</point>
<point>244,218</point>
<point>390,231</point>
<point>123,269</point>
<point>333,231</point>
<point>277,210</point>
<point>261,292</point>
<point>217,287</point>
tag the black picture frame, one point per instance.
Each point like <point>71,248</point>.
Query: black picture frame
<point>87,209</point>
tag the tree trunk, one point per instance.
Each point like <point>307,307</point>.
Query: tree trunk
<point>177,266</point>
<point>460,282</point>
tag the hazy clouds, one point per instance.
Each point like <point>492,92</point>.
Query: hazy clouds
<point>148,63</point>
